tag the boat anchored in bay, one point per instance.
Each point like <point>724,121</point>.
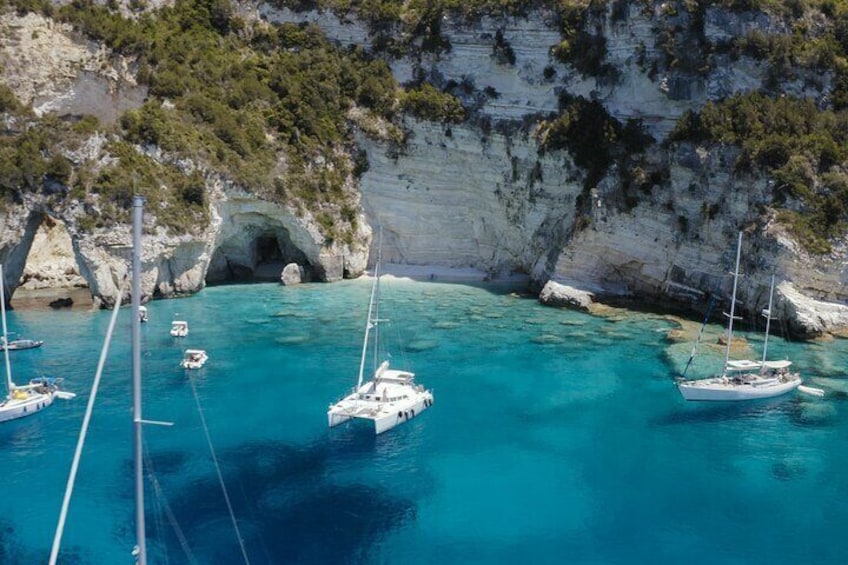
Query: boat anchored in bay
<point>194,359</point>
<point>743,379</point>
<point>179,328</point>
<point>391,397</point>
<point>18,344</point>
<point>24,400</point>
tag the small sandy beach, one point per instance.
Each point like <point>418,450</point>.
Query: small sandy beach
<point>446,274</point>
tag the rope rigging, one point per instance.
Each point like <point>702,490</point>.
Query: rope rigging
<point>710,307</point>
<point>218,471</point>
<point>89,409</point>
<point>700,334</point>
<point>169,513</point>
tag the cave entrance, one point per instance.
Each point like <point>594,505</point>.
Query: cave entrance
<point>259,257</point>
<point>269,258</point>
<point>50,275</point>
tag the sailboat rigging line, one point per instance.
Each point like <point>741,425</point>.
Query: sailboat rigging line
<point>218,470</point>
<point>710,307</point>
<point>69,488</point>
<point>700,334</point>
<point>732,306</point>
<point>169,513</point>
<point>767,314</point>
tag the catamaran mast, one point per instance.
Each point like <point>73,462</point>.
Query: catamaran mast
<point>10,386</point>
<point>140,548</point>
<point>767,314</point>
<point>377,300</point>
<point>732,303</point>
<point>369,322</point>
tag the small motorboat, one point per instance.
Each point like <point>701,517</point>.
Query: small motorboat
<point>179,328</point>
<point>193,359</point>
<point>16,344</point>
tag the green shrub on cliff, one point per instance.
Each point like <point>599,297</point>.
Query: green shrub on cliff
<point>178,196</point>
<point>430,104</point>
<point>250,101</point>
<point>592,136</point>
<point>802,146</point>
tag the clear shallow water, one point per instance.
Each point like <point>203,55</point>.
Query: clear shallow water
<point>556,437</point>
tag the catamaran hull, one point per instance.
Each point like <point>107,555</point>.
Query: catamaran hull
<point>384,417</point>
<point>386,423</point>
<point>725,390</point>
<point>334,418</point>
<point>12,409</point>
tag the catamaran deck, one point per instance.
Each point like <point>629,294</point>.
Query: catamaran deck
<point>388,401</point>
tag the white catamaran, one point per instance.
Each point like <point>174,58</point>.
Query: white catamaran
<point>391,397</point>
<point>743,379</point>
<point>24,400</point>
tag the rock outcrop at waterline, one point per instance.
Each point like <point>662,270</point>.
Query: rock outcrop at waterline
<point>245,232</point>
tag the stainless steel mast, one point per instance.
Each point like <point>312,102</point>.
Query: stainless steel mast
<point>140,548</point>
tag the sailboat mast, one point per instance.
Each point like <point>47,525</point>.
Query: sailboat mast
<point>140,549</point>
<point>368,323</point>
<point>733,303</point>
<point>377,300</point>
<point>767,314</point>
<point>10,385</point>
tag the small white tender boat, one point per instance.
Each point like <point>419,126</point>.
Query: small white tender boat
<point>142,313</point>
<point>193,359</point>
<point>811,390</point>
<point>179,328</point>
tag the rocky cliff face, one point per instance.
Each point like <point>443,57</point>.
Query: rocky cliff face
<point>465,196</point>
<point>482,194</point>
<point>460,198</point>
<point>51,69</point>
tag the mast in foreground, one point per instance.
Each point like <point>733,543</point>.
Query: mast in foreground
<point>140,550</point>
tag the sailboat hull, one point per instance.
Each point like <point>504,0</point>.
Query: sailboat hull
<point>13,408</point>
<point>728,389</point>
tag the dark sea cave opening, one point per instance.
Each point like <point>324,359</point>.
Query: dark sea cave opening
<point>261,260</point>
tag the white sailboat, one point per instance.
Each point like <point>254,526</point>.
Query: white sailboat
<point>24,400</point>
<point>17,344</point>
<point>391,397</point>
<point>743,379</point>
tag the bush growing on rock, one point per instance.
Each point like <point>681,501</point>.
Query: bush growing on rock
<point>791,139</point>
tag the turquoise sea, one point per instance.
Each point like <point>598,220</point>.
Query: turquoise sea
<point>556,437</point>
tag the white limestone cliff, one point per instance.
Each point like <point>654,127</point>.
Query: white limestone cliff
<point>477,196</point>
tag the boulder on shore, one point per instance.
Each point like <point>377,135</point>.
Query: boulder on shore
<point>564,296</point>
<point>62,303</point>
<point>293,274</point>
